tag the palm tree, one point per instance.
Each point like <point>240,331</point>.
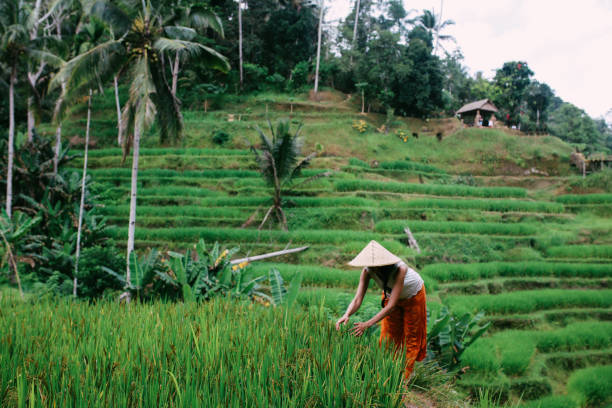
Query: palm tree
<point>16,47</point>
<point>141,44</point>
<point>196,17</point>
<point>433,25</point>
<point>279,165</point>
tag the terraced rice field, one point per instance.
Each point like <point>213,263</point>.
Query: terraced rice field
<point>540,268</point>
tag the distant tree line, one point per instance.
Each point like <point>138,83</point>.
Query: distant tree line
<point>392,60</point>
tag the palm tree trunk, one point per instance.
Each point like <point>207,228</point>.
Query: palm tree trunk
<point>118,104</point>
<point>175,71</point>
<point>133,196</point>
<point>30,118</point>
<point>316,86</point>
<point>82,205</point>
<point>355,29</point>
<point>240,41</point>
<point>11,143</point>
<point>58,131</point>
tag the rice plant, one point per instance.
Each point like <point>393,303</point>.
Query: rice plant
<point>397,227</point>
<point>529,301</point>
<point>581,251</point>
<point>430,189</point>
<point>592,386</point>
<point>585,199</point>
<point>465,272</point>
<point>217,354</point>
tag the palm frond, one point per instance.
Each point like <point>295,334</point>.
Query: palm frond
<point>203,18</point>
<point>167,106</point>
<point>211,58</point>
<point>119,22</point>
<point>180,33</point>
<point>286,149</point>
<point>102,61</point>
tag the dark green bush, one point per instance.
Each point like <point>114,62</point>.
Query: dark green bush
<point>220,137</point>
<point>93,281</point>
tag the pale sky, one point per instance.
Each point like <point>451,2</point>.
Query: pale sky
<point>567,44</point>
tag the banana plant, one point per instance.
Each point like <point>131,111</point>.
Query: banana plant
<point>279,294</point>
<point>14,232</point>
<point>148,278</point>
<point>451,335</point>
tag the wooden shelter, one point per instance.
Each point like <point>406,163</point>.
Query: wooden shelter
<point>482,112</point>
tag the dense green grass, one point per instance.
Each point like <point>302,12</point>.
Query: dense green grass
<point>430,189</point>
<point>220,353</point>
<point>455,272</point>
<point>118,152</point>
<point>529,301</point>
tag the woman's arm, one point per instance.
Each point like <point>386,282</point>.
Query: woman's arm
<point>364,281</point>
<point>360,327</point>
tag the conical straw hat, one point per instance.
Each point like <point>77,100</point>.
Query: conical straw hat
<point>374,254</point>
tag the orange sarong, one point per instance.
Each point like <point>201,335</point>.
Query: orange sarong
<point>406,327</point>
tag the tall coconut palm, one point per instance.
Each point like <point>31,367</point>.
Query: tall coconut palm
<point>16,48</point>
<point>141,44</point>
<point>194,16</point>
<point>434,25</point>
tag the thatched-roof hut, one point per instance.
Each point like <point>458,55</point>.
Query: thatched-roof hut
<point>477,110</point>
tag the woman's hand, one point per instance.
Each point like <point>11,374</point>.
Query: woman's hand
<point>342,320</point>
<point>359,328</point>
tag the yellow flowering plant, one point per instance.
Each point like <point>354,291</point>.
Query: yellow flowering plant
<point>360,125</point>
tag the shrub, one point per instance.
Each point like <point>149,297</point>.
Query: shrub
<point>220,137</point>
<point>93,281</point>
<point>592,386</point>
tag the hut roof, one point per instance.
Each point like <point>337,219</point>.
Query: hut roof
<point>483,104</point>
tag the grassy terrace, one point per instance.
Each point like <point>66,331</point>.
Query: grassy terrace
<point>521,248</point>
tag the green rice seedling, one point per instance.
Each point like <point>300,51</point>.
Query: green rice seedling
<point>552,401</point>
<point>455,272</point>
<point>592,386</point>
<point>313,275</point>
<point>581,251</point>
<point>485,205</point>
<point>430,189</point>
<point>576,336</point>
<point>180,211</point>
<point>219,353</point>
<point>397,227</point>
<point>515,353</point>
<point>249,235</point>
<point>585,199</point>
<point>359,163</point>
<point>481,357</point>
<point>529,301</point>
<point>408,165</point>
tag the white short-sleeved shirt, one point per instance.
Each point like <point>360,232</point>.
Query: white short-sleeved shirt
<point>412,281</point>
